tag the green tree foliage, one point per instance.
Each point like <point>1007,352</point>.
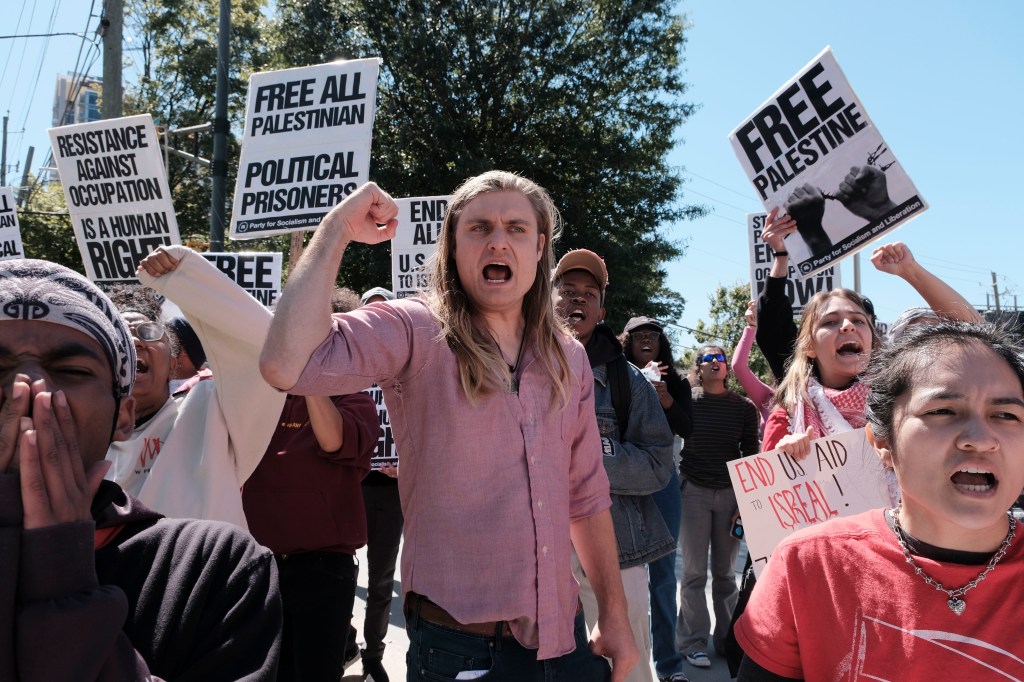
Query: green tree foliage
<point>173,47</point>
<point>583,96</point>
<point>46,230</point>
<point>724,327</point>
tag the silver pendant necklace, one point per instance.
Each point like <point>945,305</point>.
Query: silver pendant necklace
<point>956,601</point>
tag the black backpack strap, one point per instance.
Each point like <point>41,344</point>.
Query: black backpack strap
<point>618,379</point>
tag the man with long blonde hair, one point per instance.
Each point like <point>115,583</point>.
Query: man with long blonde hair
<point>492,408</point>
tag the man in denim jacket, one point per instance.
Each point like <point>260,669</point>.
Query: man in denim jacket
<point>637,455</point>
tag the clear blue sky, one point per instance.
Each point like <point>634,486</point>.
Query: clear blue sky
<point>943,81</point>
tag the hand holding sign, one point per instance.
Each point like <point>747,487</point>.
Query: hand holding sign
<point>368,215</point>
<point>776,229</point>
<point>797,445</point>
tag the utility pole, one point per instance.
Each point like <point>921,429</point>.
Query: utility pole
<point>220,130</point>
<point>111,28</point>
<point>3,157</point>
<point>22,191</point>
<point>995,292</point>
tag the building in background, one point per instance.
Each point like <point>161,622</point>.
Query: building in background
<point>76,99</point>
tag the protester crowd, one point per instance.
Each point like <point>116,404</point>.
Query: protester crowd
<point>183,499</point>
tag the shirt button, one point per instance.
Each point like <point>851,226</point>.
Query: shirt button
<point>540,504</point>
<point>544,549</point>
<point>533,460</point>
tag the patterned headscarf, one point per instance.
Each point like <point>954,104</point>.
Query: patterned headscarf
<point>46,292</point>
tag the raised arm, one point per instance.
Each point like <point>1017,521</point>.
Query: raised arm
<point>896,259</point>
<point>302,319</point>
<point>776,331</point>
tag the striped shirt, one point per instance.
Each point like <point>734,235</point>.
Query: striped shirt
<point>724,428</point>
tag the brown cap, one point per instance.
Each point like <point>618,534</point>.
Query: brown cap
<point>583,259</point>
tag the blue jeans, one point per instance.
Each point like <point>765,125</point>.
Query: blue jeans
<point>437,654</point>
<point>663,586</point>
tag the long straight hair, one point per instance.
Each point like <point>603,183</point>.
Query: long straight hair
<point>801,365</point>
<point>481,367</point>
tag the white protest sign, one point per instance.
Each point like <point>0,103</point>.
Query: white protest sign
<point>777,495</point>
<point>419,225</point>
<point>761,259</point>
<point>117,193</point>
<point>306,145</point>
<point>813,151</point>
<point>259,273</point>
<point>10,232</point>
<point>384,454</point>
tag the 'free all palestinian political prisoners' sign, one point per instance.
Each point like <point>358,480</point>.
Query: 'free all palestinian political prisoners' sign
<point>259,273</point>
<point>419,225</point>
<point>812,150</point>
<point>778,495</point>
<point>117,193</point>
<point>306,145</point>
<point>761,259</point>
<point>10,232</point>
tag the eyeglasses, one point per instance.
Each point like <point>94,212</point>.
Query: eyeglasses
<point>644,336</point>
<point>711,357</point>
<point>148,331</point>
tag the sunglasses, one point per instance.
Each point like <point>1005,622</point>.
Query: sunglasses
<point>711,357</point>
<point>148,331</point>
<point>644,336</point>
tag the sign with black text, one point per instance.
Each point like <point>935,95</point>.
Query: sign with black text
<point>259,273</point>
<point>813,151</point>
<point>306,145</point>
<point>761,259</point>
<point>778,495</point>
<point>116,190</point>
<point>384,454</point>
<point>10,232</point>
<point>419,225</point>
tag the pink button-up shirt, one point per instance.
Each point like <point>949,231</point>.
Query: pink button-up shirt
<point>488,490</point>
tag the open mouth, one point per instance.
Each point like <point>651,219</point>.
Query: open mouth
<point>974,480</point>
<point>497,272</point>
<point>575,315</point>
<point>141,367</point>
<point>850,349</point>
<point>646,349</point>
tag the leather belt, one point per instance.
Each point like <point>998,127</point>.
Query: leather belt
<point>435,615</point>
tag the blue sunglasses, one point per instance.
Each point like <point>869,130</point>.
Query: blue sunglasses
<point>711,357</point>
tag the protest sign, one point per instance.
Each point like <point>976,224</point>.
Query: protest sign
<point>258,273</point>
<point>419,225</point>
<point>306,145</point>
<point>384,454</point>
<point>10,232</point>
<point>777,495</point>
<point>813,151</point>
<point>117,193</point>
<point>761,259</point>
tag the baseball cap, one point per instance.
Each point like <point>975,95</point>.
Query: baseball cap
<point>376,291</point>
<point>583,259</point>
<point>635,322</point>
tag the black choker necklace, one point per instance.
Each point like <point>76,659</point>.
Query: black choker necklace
<point>512,369</point>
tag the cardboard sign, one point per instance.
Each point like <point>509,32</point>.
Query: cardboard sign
<point>813,151</point>
<point>777,495</point>
<point>116,190</point>
<point>761,259</point>
<point>384,454</point>
<point>306,145</point>
<point>259,273</point>
<point>10,232</point>
<point>419,225</point>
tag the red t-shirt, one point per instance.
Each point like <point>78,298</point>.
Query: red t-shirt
<point>838,601</point>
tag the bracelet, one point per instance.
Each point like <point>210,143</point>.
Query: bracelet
<point>782,253</point>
